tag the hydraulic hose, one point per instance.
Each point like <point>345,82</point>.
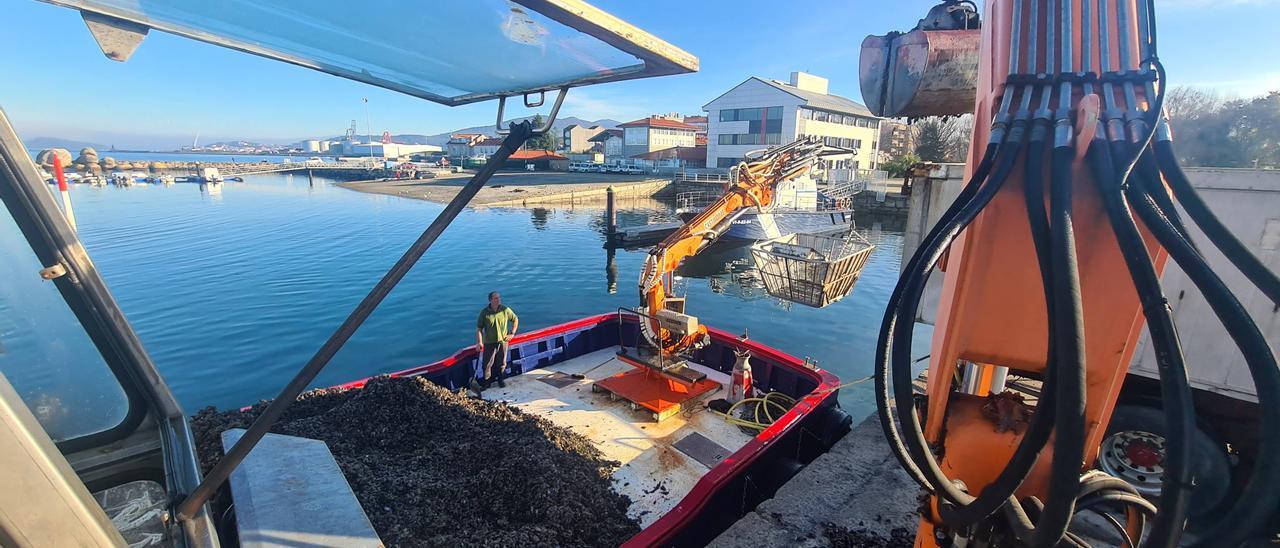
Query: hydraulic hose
<point>1261,493</point>
<point>1217,233</point>
<point>1042,421</point>
<point>1174,387</point>
<point>883,396</point>
<point>1069,360</point>
<point>912,284</point>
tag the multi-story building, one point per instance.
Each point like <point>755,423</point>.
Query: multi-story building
<point>576,139</point>
<point>760,113</point>
<point>610,141</point>
<point>700,122</point>
<point>486,147</point>
<point>460,144</point>
<point>655,133</point>
<point>896,140</point>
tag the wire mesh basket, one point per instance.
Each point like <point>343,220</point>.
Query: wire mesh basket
<point>811,269</point>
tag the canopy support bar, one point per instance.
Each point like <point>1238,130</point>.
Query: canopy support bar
<point>517,135</point>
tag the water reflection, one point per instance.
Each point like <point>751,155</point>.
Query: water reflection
<point>538,216</point>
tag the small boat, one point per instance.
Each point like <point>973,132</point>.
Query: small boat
<point>121,179</point>
<point>95,180</point>
<point>165,179</point>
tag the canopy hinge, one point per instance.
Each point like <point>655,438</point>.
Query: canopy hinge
<point>52,272</point>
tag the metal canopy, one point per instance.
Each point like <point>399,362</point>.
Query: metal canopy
<point>448,52</point>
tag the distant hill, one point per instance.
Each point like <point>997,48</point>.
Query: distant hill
<point>440,139</point>
<point>41,143</point>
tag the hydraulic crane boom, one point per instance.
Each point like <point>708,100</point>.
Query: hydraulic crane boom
<point>754,183</point>
<point>1054,249</point>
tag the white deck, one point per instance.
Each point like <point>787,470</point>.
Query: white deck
<point>654,474</point>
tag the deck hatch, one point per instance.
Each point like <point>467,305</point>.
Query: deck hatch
<point>702,449</point>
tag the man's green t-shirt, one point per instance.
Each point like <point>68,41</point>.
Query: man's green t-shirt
<point>494,323</point>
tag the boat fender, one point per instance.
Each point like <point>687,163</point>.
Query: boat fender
<point>740,385</point>
<point>835,423</point>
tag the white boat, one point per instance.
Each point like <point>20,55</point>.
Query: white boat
<point>120,178</point>
<point>165,179</point>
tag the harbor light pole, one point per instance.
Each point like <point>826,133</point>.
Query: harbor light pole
<point>369,124</point>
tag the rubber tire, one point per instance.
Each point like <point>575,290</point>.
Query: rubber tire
<point>1210,466</point>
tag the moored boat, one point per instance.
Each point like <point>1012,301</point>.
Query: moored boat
<point>692,475</point>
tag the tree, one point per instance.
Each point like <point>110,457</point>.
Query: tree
<point>931,140</point>
<point>546,141</point>
<point>1211,131</point>
<point>898,167</point>
<point>958,131</point>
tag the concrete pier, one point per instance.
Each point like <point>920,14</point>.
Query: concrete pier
<point>857,485</point>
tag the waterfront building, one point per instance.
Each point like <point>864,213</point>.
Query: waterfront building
<point>485,148</point>
<point>611,143</point>
<point>760,113</point>
<point>576,139</point>
<point>656,133</point>
<point>460,144</point>
<point>675,157</point>
<point>387,150</point>
<point>541,160</point>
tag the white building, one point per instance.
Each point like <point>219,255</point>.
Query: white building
<point>611,143</point>
<point>386,150</point>
<point>656,133</point>
<point>486,147</point>
<point>460,144</point>
<point>760,113</point>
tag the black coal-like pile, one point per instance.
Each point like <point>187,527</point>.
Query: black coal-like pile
<point>841,537</point>
<point>433,467</point>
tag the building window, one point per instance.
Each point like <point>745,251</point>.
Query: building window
<point>764,126</point>
<point>727,162</point>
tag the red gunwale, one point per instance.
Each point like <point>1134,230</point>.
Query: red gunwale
<point>662,531</point>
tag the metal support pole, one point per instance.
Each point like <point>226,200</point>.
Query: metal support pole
<point>519,133</point>
<point>611,270</point>
<point>610,215</point>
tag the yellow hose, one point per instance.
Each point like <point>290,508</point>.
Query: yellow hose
<point>766,404</point>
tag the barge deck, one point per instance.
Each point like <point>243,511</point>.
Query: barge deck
<point>661,461</point>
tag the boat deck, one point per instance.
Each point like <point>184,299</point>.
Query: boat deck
<point>661,462</point>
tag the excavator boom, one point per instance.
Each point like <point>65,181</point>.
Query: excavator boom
<point>753,184</point>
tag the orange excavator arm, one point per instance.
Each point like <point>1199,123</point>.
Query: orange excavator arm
<point>752,186</point>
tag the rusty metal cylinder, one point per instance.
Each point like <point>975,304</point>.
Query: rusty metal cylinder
<point>920,73</point>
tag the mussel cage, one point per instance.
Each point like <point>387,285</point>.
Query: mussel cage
<point>811,269</point>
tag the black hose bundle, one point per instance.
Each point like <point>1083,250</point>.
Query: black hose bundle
<point>1127,169</point>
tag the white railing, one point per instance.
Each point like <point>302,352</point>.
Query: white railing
<point>704,176</point>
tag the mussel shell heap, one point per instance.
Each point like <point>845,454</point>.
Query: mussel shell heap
<point>434,467</point>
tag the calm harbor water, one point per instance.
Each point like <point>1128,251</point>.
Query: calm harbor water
<point>188,156</point>
<point>231,292</point>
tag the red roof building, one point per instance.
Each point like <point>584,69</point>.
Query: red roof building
<point>656,133</point>
<point>657,121</point>
<point>536,155</point>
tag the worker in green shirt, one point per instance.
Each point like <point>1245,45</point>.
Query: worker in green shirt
<point>494,327</point>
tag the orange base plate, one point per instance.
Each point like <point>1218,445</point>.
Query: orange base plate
<point>654,391</point>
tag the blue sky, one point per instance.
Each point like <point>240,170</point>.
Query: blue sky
<point>56,83</point>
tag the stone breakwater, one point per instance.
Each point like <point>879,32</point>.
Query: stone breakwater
<point>91,161</point>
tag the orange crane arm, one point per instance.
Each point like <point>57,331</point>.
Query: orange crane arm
<point>753,186</point>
